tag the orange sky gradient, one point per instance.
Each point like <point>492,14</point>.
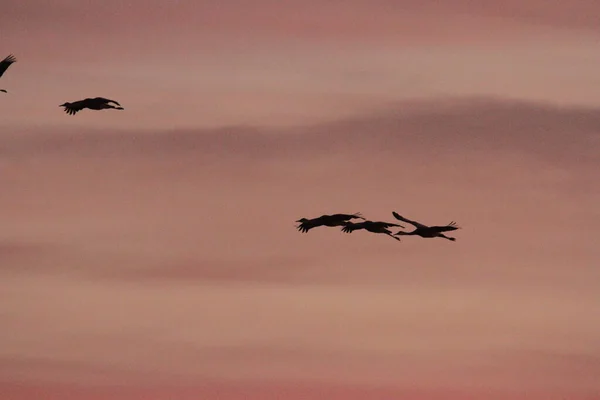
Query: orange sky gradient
<point>151,253</point>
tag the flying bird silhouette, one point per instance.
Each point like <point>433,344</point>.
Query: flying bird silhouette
<point>96,103</point>
<point>4,64</point>
<point>326,220</point>
<point>427,231</point>
<point>371,226</point>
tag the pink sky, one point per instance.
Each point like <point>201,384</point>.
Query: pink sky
<point>151,253</point>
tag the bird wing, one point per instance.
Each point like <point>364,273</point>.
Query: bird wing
<point>345,217</point>
<point>105,100</point>
<point>311,223</point>
<point>318,220</point>
<point>4,64</point>
<point>450,227</point>
<point>387,224</point>
<point>75,107</point>
<point>351,227</point>
<point>413,223</point>
<point>305,227</point>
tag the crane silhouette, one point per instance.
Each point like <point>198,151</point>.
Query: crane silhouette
<point>326,220</point>
<point>96,103</point>
<point>426,231</point>
<point>4,64</point>
<point>371,226</point>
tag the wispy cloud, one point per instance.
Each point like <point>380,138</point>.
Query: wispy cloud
<point>182,248</point>
<point>155,249</point>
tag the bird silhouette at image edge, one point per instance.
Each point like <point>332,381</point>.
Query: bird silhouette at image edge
<point>96,103</point>
<point>4,64</point>
<point>426,231</point>
<point>326,220</point>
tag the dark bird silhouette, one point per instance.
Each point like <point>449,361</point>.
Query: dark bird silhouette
<point>96,103</point>
<point>326,220</point>
<point>427,231</point>
<point>4,64</point>
<point>371,226</point>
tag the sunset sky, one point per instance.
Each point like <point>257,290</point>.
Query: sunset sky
<point>151,254</point>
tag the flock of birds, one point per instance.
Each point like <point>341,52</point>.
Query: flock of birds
<point>72,108</point>
<point>345,221</point>
<point>335,220</point>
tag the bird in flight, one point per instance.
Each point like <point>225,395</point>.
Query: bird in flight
<point>326,220</point>
<point>371,226</point>
<point>426,231</point>
<point>4,64</point>
<point>96,103</point>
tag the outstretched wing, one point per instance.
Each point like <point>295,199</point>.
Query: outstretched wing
<point>105,100</point>
<point>351,227</point>
<point>358,215</point>
<point>75,107</point>
<point>4,64</point>
<point>306,226</point>
<point>450,227</point>
<point>388,224</point>
<point>413,223</point>
<point>346,217</point>
<point>311,223</point>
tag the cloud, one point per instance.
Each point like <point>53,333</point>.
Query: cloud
<point>484,162</point>
<point>23,256</point>
<point>469,123</point>
<point>322,19</point>
<point>173,247</point>
<point>229,390</point>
